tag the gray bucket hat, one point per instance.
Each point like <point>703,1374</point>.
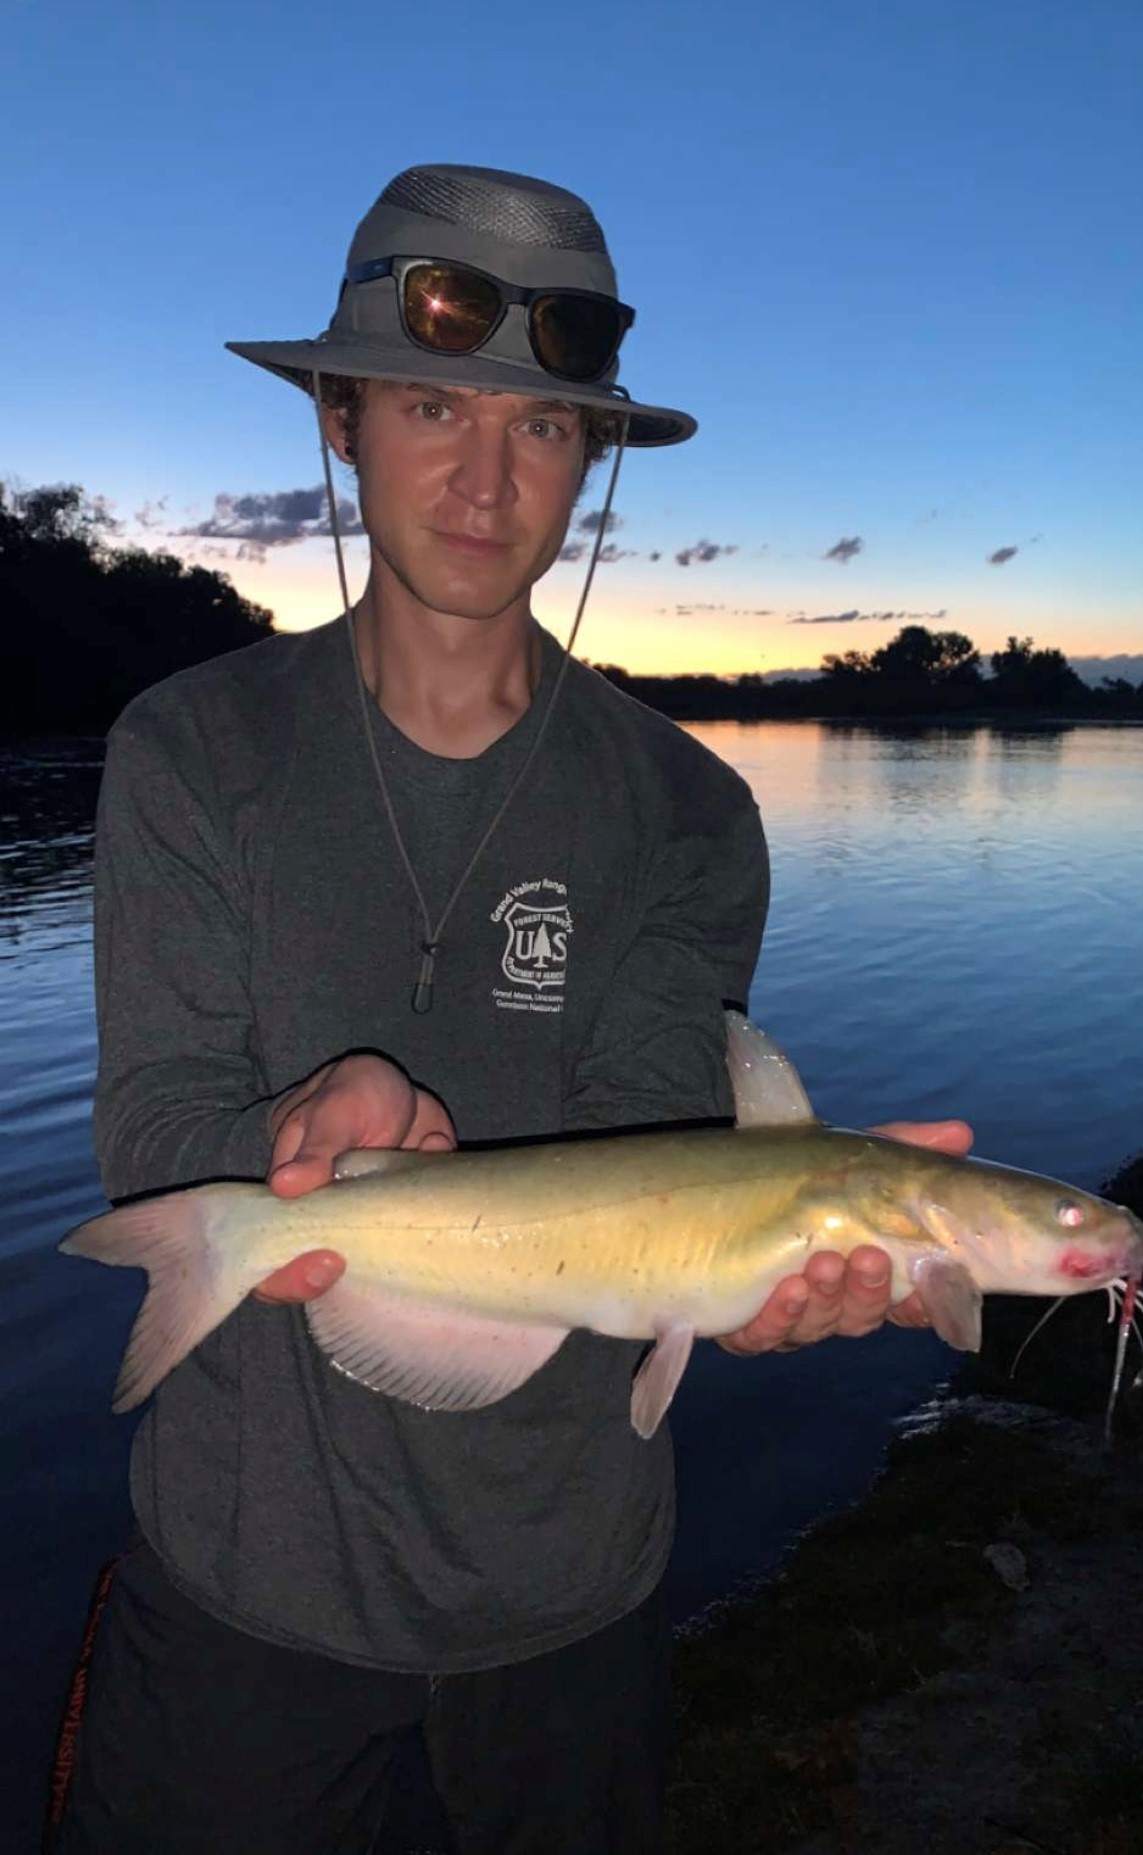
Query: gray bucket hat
<point>526,233</point>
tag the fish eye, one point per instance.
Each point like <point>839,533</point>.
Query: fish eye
<point>1069,1213</point>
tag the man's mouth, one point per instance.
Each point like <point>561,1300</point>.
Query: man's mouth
<point>471,544</point>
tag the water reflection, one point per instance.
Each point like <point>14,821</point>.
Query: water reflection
<point>1024,743</point>
<point>905,740</point>
<point>48,792</point>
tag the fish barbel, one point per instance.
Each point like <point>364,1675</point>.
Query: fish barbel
<point>467,1270</point>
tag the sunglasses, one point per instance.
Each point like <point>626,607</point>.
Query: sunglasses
<point>449,308</point>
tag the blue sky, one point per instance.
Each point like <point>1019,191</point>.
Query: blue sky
<point>887,253</point>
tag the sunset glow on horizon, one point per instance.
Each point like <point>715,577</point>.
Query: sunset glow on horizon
<point>639,630</point>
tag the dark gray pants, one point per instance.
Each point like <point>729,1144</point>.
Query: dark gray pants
<point>196,1739</point>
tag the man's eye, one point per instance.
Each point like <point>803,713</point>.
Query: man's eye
<point>545,428</point>
<point>434,410</point>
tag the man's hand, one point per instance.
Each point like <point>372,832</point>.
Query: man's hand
<point>833,1295</point>
<point>358,1101</point>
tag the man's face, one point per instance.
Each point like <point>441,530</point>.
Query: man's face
<point>466,496</point>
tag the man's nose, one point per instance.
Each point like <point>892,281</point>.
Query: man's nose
<point>483,475</point>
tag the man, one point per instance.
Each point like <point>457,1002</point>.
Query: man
<point>410,879</point>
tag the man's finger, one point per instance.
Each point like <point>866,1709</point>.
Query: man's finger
<point>297,1176</point>
<point>331,1124</point>
<point>946,1136</point>
<point>909,1313</point>
<point>289,1137</point>
<point>431,1128</point>
<point>288,1106</point>
<point>772,1326</point>
<point>303,1279</point>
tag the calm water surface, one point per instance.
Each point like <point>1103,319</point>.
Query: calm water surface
<point>957,929</point>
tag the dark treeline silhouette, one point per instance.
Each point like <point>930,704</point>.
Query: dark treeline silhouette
<point>919,673</point>
<point>86,625</point>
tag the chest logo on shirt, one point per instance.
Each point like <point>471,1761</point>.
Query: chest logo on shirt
<point>537,926</point>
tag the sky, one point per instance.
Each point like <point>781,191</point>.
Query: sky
<point>887,252</point>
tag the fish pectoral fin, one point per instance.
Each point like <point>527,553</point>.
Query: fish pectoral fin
<point>423,1354</point>
<point>364,1162</point>
<point>951,1300</point>
<point>657,1379</point>
<point>768,1090</point>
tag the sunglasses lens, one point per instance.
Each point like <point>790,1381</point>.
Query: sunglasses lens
<point>576,336</point>
<point>449,309</point>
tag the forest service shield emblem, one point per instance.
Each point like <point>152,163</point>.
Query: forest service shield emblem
<point>537,925</point>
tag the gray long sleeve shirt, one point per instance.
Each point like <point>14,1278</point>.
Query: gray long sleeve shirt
<point>253,921</point>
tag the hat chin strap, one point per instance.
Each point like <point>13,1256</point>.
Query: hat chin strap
<point>431,942</point>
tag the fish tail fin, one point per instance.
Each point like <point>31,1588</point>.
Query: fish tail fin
<point>190,1289</point>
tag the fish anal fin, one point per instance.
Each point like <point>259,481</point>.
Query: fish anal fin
<point>951,1299</point>
<point>657,1379</point>
<point>768,1090</point>
<point>424,1354</point>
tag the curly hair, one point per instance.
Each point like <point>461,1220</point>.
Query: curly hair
<point>345,394</point>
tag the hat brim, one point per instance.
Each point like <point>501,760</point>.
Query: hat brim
<point>297,361</point>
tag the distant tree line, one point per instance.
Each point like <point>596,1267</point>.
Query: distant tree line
<point>918,673</point>
<point>85,625</point>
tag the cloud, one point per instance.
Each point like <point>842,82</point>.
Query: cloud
<point>608,554</point>
<point>655,556</point>
<point>276,518</point>
<point>845,549</point>
<point>703,551</point>
<point>862,618</point>
<point>757,611</point>
<point>1001,555</point>
<point>153,515</point>
<point>590,523</point>
<point>1127,664</point>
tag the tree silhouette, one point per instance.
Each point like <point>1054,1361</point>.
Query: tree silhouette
<point>85,625</point>
<point>1031,678</point>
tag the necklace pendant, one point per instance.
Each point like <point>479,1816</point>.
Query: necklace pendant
<point>423,990</point>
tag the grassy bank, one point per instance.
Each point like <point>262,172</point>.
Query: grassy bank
<point>890,1691</point>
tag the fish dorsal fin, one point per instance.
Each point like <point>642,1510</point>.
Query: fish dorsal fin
<point>768,1090</point>
<point>436,1357</point>
<point>366,1162</point>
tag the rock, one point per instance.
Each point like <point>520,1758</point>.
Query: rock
<point>1009,1564</point>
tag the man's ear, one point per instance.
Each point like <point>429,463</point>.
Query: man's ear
<point>333,425</point>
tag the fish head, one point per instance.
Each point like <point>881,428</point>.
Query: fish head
<point>1021,1233</point>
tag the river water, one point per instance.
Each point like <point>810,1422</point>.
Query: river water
<point>957,929</point>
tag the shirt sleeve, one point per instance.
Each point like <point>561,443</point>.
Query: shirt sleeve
<point>179,1096</point>
<point>656,1051</point>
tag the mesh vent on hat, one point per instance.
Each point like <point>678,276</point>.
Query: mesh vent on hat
<point>552,218</point>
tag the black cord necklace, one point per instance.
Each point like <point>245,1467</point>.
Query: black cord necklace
<point>432,942</point>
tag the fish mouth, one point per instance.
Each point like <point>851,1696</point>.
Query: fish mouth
<point>1114,1262</point>
<point>1133,1248</point>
